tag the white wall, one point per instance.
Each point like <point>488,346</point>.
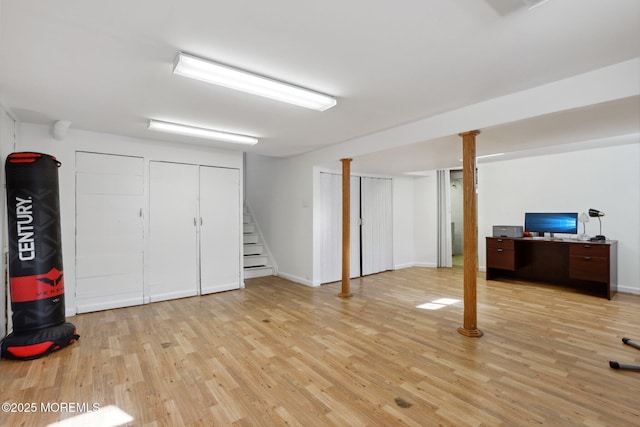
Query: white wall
<point>7,140</point>
<point>33,137</point>
<point>280,195</point>
<point>403,222</point>
<point>425,222</point>
<point>607,179</point>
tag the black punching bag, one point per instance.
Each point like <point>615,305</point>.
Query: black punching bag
<point>35,258</point>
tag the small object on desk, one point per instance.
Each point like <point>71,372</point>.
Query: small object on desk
<point>584,218</point>
<point>597,214</point>
<point>507,231</point>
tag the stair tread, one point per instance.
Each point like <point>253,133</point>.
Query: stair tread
<point>257,262</point>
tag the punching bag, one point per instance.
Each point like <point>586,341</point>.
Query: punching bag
<point>36,276</point>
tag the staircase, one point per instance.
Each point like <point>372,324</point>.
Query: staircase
<point>257,260</point>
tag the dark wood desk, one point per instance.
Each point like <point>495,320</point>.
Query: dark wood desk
<point>592,266</point>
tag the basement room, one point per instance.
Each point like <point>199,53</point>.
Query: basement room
<point>290,213</point>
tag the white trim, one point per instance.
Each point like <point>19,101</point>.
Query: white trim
<point>628,290</point>
<point>297,279</point>
<point>99,306</point>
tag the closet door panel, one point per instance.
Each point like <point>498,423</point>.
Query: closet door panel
<point>173,212</point>
<point>331,227</point>
<point>377,225</point>
<point>220,229</point>
<point>109,231</point>
<point>354,238</point>
<point>330,220</point>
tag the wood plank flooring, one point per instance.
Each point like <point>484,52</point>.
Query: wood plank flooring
<point>278,353</point>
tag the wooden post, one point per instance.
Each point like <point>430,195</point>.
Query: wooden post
<point>470,325</point>
<point>346,228</point>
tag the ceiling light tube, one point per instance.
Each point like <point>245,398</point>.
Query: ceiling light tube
<point>211,72</point>
<point>201,132</point>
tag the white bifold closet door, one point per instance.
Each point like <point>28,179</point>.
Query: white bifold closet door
<point>195,230</point>
<point>331,227</point>
<point>371,226</point>
<point>377,225</point>
<point>109,231</point>
<point>220,231</point>
<point>173,216</point>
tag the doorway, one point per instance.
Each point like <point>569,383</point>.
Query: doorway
<point>457,217</point>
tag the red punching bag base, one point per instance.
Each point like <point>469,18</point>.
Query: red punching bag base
<point>32,345</point>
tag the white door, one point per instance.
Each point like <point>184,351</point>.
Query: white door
<point>173,216</point>
<point>331,227</point>
<point>220,231</point>
<point>377,225</point>
<point>109,231</point>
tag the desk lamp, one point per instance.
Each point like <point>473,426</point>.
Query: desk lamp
<point>597,214</point>
<point>584,218</point>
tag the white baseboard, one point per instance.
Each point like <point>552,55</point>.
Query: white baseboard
<point>426,264</point>
<point>628,290</point>
<point>414,264</point>
<point>297,279</point>
<point>402,266</point>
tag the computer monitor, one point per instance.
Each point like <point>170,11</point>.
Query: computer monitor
<point>551,222</point>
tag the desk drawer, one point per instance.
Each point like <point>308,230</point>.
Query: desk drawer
<point>504,259</point>
<point>497,243</point>
<point>589,250</point>
<point>593,268</point>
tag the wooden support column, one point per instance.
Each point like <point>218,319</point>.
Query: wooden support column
<point>346,228</point>
<point>470,324</point>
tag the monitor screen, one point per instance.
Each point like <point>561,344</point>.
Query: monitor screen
<point>551,222</point>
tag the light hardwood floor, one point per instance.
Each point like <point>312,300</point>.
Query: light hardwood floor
<point>278,353</point>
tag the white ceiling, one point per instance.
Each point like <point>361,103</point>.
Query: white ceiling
<point>106,66</point>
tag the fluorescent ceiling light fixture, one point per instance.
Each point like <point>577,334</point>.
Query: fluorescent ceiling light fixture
<point>201,132</point>
<point>211,72</point>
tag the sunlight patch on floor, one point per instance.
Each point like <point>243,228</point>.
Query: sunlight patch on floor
<point>438,304</point>
<point>109,416</point>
